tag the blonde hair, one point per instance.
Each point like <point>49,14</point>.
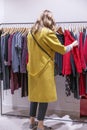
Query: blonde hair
<point>45,20</point>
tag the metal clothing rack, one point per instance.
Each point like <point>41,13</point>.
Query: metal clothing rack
<point>56,22</point>
<point>31,23</point>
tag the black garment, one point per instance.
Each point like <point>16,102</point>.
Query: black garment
<point>74,76</point>
<point>83,36</point>
<point>42,107</point>
<point>24,84</point>
<point>59,57</point>
<point>4,58</point>
<point>67,85</point>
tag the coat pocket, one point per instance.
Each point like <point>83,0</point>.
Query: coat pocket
<point>35,72</point>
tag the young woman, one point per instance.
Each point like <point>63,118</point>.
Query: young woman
<point>42,45</point>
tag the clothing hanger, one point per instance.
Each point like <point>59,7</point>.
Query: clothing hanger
<point>59,30</point>
<point>25,31</point>
<point>5,31</point>
<point>11,30</point>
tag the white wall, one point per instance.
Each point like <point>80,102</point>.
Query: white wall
<point>1,10</point>
<point>28,11</point>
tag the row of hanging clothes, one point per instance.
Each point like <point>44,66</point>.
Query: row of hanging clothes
<point>73,65</point>
<point>14,56</point>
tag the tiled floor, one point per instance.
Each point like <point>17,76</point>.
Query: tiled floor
<point>16,123</point>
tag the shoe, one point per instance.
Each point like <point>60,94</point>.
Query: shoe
<point>33,126</point>
<point>45,128</point>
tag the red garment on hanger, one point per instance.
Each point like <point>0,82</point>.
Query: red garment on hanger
<point>66,58</point>
<point>82,85</point>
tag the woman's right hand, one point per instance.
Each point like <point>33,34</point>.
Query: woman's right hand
<point>75,43</point>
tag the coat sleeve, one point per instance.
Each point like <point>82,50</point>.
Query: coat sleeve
<point>52,41</point>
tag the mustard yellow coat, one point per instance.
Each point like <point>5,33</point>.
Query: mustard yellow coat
<point>41,83</point>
